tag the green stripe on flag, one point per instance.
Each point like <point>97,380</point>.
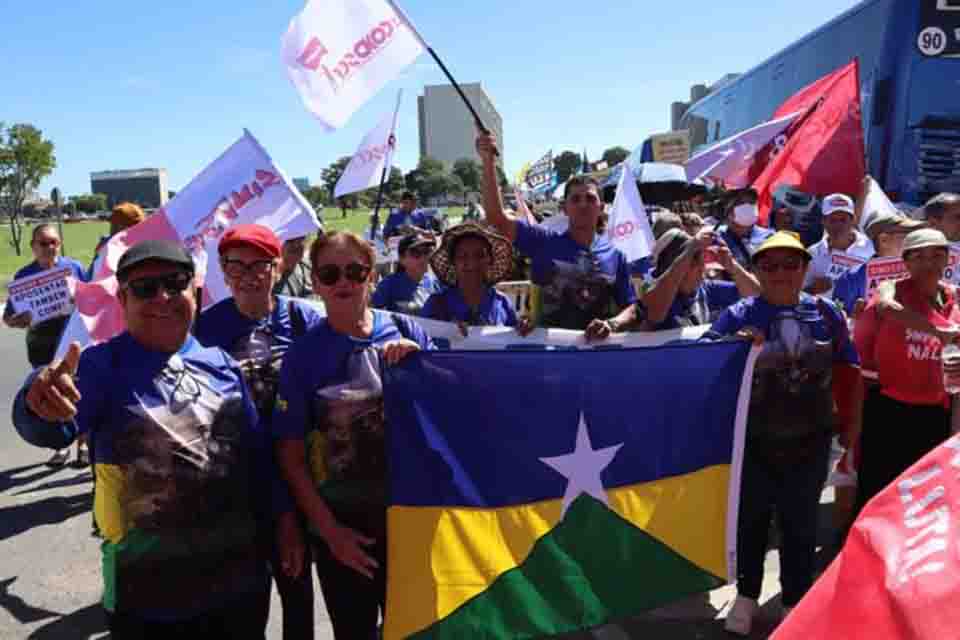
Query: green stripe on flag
<point>591,568</point>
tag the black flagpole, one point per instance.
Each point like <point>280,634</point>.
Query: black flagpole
<point>466,101</point>
<point>375,221</point>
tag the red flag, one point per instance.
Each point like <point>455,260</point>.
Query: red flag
<point>822,152</point>
<point>898,575</point>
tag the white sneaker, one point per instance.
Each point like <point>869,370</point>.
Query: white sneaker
<point>740,617</point>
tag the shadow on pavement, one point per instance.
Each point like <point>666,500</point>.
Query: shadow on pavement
<point>82,624</point>
<point>24,517</point>
<point>58,484</point>
<point>23,612</point>
<point>10,478</point>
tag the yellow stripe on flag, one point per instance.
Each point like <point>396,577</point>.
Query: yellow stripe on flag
<point>441,557</point>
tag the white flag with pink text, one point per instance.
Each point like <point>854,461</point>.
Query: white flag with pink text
<point>339,53</point>
<point>374,155</point>
<point>628,228</point>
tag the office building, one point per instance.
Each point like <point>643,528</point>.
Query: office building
<point>447,130</point>
<point>145,187</point>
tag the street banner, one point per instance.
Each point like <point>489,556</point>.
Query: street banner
<point>242,186</point>
<point>629,228</point>
<point>46,295</point>
<point>822,152</point>
<point>373,156</point>
<point>672,147</point>
<point>732,160</point>
<point>541,174</point>
<point>340,53</point>
<point>898,574</point>
<point>589,500</point>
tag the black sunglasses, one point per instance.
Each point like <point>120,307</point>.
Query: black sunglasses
<point>148,288</point>
<point>329,274</point>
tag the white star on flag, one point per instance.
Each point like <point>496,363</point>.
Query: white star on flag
<point>582,468</point>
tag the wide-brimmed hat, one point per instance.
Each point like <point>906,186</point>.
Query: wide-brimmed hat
<point>782,240</point>
<point>923,238</point>
<point>887,222</point>
<point>501,252</point>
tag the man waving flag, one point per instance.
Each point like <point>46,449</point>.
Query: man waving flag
<point>338,54</point>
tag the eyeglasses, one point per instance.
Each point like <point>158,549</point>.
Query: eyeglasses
<point>239,268</point>
<point>769,266</point>
<point>329,274</point>
<point>148,288</point>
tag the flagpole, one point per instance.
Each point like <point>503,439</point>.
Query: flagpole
<point>466,101</point>
<point>388,161</point>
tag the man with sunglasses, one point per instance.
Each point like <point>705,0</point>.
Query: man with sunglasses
<point>807,353</point>
<point>257,328</point>
<point>180,457</point>
<point>43,337</point>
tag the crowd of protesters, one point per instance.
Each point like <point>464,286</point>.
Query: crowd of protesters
<point>245,444</point>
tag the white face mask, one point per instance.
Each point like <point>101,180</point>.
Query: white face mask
<point>746,215</point>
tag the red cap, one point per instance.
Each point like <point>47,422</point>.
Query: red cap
<point>254,235</point>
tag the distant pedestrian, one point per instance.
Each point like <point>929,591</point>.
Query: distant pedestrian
<point>294,280</point>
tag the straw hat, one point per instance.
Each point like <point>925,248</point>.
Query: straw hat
<point>501,252</point>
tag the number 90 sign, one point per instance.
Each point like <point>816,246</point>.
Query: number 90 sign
<point>932,41</point>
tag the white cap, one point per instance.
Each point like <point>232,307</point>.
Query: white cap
<point>838,202</point>
<point>746,215</point>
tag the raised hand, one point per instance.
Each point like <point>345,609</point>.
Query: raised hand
<point>53,395</point>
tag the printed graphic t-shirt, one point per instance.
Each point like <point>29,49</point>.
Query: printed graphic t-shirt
<point>258,346</point>
<point>178,453</point>
<point>578,283</point>
<point>494,311</point>
<point>334,403</point>
<point>792,396</point>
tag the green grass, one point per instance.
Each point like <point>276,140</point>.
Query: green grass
<point>358,220</point>
<point>80,239</point>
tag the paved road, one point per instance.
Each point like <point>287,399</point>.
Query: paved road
<point>50,571</point>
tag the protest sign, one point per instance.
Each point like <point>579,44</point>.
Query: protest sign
<point>840,263</point>
<point>880,270</point>
<point>673,147</point>
<point>46,295</point>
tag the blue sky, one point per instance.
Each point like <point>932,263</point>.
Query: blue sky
<point>119,85</point>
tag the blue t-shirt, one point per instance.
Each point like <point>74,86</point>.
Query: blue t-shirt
<point>179,457</point>
<point>398,218</point>
<point>579,284</point>
<point>398,292</point>
<point>850,287</point>
<point>33,268</point>
<point>744,248</point>
<point>257,345</point>
<point>495,310</point>
<point>703,306</point>
<point>331,396</point>
<point>791,400</point>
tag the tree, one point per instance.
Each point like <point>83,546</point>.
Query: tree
<point>427,168</point>
<point>316,196</point>
<point>331,175</point>
<point>89,203</point>
<point>26,158</point>
<point>615,155</point>
<point>468,171</point>
<point>435,185</point>
<point>566,164</point>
